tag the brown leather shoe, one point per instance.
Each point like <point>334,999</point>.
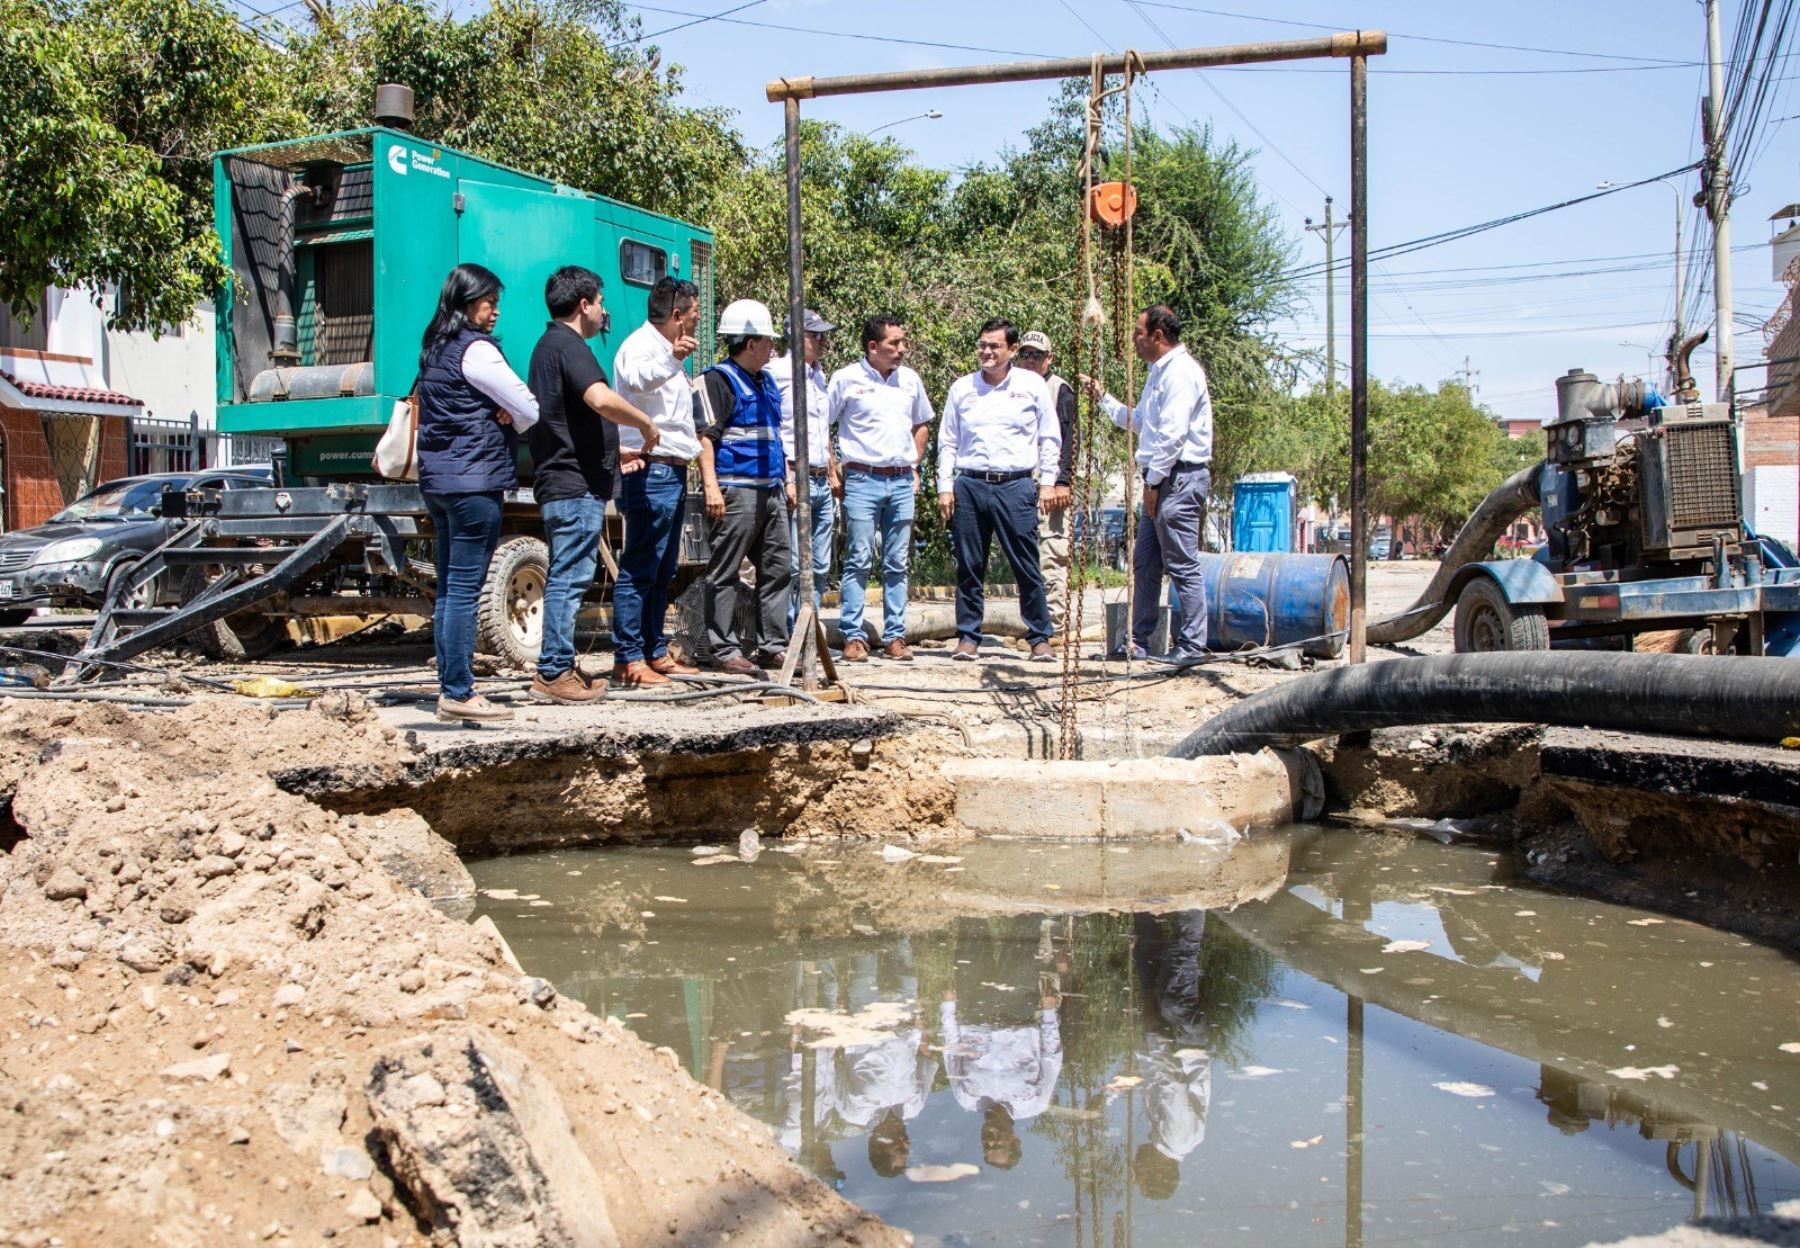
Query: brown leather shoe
<point>965,650</point>
<point>771,659</point>
<point>1042,653</point>
<point>898,650</point>
<point>669,665</point>
<point>738,665</point>
<point>856,651</point>
<point>568,689</point>
<point>637,675</point>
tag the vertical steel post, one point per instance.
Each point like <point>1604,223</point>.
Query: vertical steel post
<point>1718,206</point>
<point>1359,355</point>
<point>1353,1125</point>
<point>797,386</point>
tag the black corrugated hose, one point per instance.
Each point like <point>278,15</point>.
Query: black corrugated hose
<point>1728,697</point>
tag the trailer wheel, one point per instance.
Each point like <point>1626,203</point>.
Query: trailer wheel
<point>246,636</point>
<point>510,619</point>
<point>1486,621</point>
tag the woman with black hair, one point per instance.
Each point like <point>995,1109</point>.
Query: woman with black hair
<point>472,408</point>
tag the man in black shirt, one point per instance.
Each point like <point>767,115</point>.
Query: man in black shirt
<point>576,456</point>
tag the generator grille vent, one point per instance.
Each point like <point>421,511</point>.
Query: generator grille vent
<point>1702,476</point>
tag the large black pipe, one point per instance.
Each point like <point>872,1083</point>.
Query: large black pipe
<point>1474,542</point>
<point>1732,698</point>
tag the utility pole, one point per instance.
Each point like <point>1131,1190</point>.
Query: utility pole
<point>1468,376</point>
<point>1329,229</point>
<point>1718,204</point>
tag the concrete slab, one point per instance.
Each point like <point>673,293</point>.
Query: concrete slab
<point>1147,797</point>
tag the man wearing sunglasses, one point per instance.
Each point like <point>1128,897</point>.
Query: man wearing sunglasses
<point>1053,528</point>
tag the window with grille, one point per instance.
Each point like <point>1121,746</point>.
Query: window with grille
<point>641,264</point>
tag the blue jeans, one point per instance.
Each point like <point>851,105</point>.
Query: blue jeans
<point>824,516</point>
<point>466,528</point>
<point>655,504</point>
<point>572,526</point>
<point>872,504</point>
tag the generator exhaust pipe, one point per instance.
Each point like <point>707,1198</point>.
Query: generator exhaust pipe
<point>1727,698</point>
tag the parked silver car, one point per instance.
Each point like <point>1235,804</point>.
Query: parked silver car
<point>69,560</point>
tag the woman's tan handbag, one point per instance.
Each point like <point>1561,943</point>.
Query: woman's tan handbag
<point>397,454</point>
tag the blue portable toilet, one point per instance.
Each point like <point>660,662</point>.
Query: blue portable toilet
<point>1265,510</point>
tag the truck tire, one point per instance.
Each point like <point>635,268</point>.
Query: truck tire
<point>244,637</point>
<point>14,617</point>
<point>1486,621</point>
<point>510,613</point>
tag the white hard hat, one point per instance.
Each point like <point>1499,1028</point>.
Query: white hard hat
<point>746,318</point>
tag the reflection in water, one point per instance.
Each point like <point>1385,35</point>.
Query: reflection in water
<point>981,1065</point>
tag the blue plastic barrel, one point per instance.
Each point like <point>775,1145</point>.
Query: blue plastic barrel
<point>1258,599</point>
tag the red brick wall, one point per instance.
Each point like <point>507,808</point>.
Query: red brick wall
<point>1771,439</point>
<point>32,494</point>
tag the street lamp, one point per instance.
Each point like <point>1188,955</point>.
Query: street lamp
<point>930,114</point>
<point>1675,335</point>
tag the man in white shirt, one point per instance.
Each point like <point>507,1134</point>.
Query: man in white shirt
<point>819,482</point>
<point>998,453</point>
<point>1053,530</point>
<point>1174,424</point>
<point>882,417</point>
<point>650,371</point>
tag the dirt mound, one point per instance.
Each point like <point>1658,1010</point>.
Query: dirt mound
<point>222,1011</point>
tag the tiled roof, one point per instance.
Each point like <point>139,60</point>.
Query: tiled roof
<point>69,394</point>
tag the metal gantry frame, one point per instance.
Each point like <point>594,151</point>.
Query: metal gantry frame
<point>808,645</point>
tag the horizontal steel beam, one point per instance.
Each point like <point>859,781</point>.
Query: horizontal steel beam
<point>1346,43</point>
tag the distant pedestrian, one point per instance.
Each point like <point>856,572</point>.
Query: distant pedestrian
<point>472,408</point>
<point>651,374</point>
<point>1054,526</point>
<point>574,449</point>
<point>817,476</point>
<point>1174,424</point>
<point>998,450</point>
<point>744,472</point>
<point>883,417</point>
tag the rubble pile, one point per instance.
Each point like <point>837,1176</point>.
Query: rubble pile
<point>227,1020</point>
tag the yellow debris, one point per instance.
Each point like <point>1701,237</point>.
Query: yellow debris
<point>271,687</point>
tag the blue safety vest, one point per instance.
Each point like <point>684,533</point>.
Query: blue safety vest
<point>749,451</point>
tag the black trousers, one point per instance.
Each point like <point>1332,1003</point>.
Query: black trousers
<point>1007,510</point>
<point>755,524</point>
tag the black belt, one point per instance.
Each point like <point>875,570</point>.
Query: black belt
<point>890,470</point>
<point>1181,465</point>
<point>993,478</point>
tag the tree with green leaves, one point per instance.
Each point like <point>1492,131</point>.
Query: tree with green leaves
<point>114,108</point>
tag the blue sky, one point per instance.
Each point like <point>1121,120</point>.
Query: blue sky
<point>1449,147</point>
<point>1461,131</point>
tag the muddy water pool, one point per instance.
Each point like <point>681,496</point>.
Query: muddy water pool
<point>1311,1037</point>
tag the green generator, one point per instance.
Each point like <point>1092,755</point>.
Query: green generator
<point>339,244</point>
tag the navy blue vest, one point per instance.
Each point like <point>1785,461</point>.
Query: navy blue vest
<point>749,450</point>
<point>462,448</point>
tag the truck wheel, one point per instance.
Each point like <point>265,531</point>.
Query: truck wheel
<point>510,618</point>
<point>1486,621</point>
<point>246,636</point>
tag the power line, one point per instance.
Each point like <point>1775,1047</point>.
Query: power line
<point>842,34</point>
<point>1450,236</point>
<point>1210,86</point>
<point>1394,34</point>
<point>698,21</point>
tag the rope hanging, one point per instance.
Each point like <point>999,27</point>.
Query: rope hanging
<point>1090,331</point>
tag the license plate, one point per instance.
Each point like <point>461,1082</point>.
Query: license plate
<point>8,589</point>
